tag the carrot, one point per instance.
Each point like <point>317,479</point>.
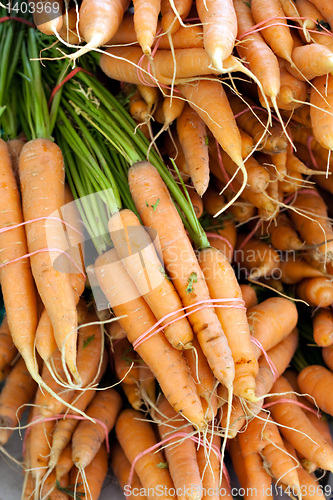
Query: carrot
<point>283,235</point>
<point>271,321</point>
<point>54,287</point>
<point>262,436</point>
<point>8,351</point>
<point>17,392</point>
<point>135,435</point>
<point>258,479</point>
<point>181,456</point>
<point>307,440</point>
<point>133,395</point>
<point>319,62</point>
<point>290,10</point>
<point>145,22</point>
<point>147,382</point>
<point>166,363</point>
<point>175,151</point>
<point>193,138</point>
<point>249,296</point>
<point>277,37</point>
<point>65,427</point>
<point>88,437</point>
<point>138,108</point>
<point>325,9</point>
<point>172,11</point>
<point>133,243</point>
<point>309,10</point>
<point>222,284</point>
<point>219,22</point>
<point>252,47</point>
<point>295,165</point>
<point>317,292</point>
<point>204,377</point>
<point>13,246</point>
<point>209,467</point>
<point>48,19</point>
<point>238,461</point>
<point>187,36</point>
<point>90,481</point>
<point>172,109</point>
<point>182,266</point>
<point>169,67</point>
<point>98,22</point>
<point>242,211</point>
<point>206,97</point>
<point>257,257</point>
<point>126,362</point>
<point>327,353</point>
<point>321,116</point>
<point>315,381</point>
<point>121,469</point>
<point>309,485</point>
<point>149,95</point>
<point>225,239</point>
<point>297,269</point>
<point>309,215</point>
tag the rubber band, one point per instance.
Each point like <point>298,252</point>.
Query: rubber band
<point>139,70</point>
<point>312,156</point>
<point>206,304</point>
<point>45,250</point>
<point>65,80</point>
<point>7,228</point>
<point>249,236</point>
<point>221,165</point>
<point>270,363</point>
<point>294,402</point>
<point>166,440</point>
<point>36,421</point>
<point>18,19</point>
<point>222,238</point>
<point>301,191</point>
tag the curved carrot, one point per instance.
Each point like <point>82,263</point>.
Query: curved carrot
<point>315,381</point>
<point>136,250</point>
<point>283,234</point>
<point>166,363</point>
<point>249,296</point>
<point>94,474</point>
<point>317,292</point>
<point>182,265</point>
<point>257,257</point>
<point>321,117</point>
<point>222,284</point>
<point>297,269</point>
<point>145,22</point>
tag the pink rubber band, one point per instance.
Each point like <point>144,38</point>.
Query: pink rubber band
<point>268,359</point>
<point>294,402</point>
<point>260,26</point>
<point>45,250</point>
<point>7,228</point>
<point>222,238</point>
<point>301,191</point>
<point>206,304</point>
<point>221,165</point>
<point>36,421</point>
<point>249,236</point>
<point>313,159</point>
<point>164,441</point>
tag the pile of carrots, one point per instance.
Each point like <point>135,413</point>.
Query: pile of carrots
<point>204,187</point>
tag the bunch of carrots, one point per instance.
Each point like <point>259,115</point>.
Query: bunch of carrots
<point>155,242</point>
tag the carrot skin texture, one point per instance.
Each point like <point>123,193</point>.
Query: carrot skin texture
<point>316,381</point>
<point>156,350</point>
<point>95,474</point>
<point>121,469</point>
<point>205,323</point>
<point>41,165</point>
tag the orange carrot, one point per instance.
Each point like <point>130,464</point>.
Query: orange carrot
<point>133,243</point>
<point>317,292</point>
<point>309,10</point>
<point>182,265</point>
<point>193,138</point>
<point>94,475</point>
<point>325,9</point>
<point>126,362</point>
<point>121,469</point>
<point>323,327</point>
<point>88,437</point>
<point>259,258</point>
<point>68,31</point>
<point>219,22</point>
<point>135,435</point>
<point>319,62</point>
<point>249,296</point>
<point>271,321</point>
<point>133,395</point>
<point>15,147</point>
<point>98,22</point>
<point>48,20</point>
<point>307,439</point>
<point>315,381</point>
<point>115,331</point>
<point>180,456</point>
<point>295,269</point>
<point>277,37</point>
<point>283,235</point>
<point>213,201</point>
<point>321,116</point>
<point>196,201</point>
<point>17,392</point>
<point>327,353</point>
<point>145,22</point>
<point>166,363</point>
<point>222,284</point>
<point>38,157</point>
<point>209,467</point>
